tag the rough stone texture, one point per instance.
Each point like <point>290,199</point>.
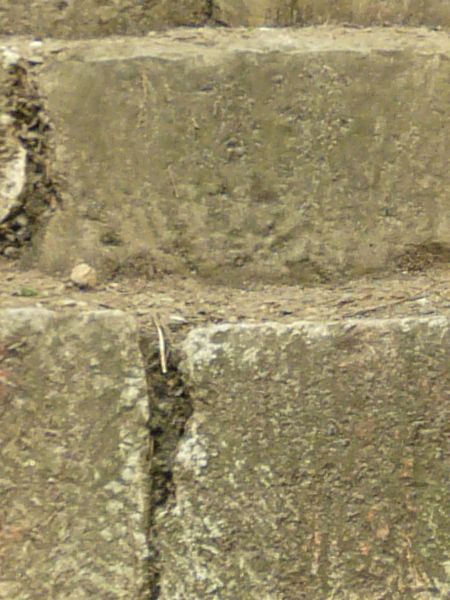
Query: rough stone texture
<point>265,155</point>
<point>97,18</point>
<point>73,452</point>
<point>359,12</point>
<point>315,464</point>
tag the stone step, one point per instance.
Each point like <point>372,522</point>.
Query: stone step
<point>74,456</point>
<point>264,155</point>
<point>315,464</point>
<point>270,155</point>
<point>312,462</point>
<point>280,529</point>
<point>358,12</point>
<point>98,18</point>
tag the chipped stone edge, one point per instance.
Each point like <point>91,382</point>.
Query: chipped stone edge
<point>199,350</point>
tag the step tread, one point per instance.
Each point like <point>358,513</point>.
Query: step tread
<point>181,304</point>
<point>206,40</point>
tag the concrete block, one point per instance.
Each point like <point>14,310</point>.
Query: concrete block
<point>357,12</point>
<point>267,155</point>
<point>315,464</point>
<point>73,455</point>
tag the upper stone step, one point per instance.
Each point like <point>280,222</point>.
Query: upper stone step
<point>96,18</point>
<point>273,155</point>
<point>357,12</point>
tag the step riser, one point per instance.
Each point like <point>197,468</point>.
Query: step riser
<point>282,157</point>
<point>97,18</point>
<point>92,18</point>
<point>358,12</point>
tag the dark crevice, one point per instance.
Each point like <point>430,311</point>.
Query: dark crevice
<point>210,13</point>
<point>29,125</point>
<point>420,257</point>
<point>210,10</point>
<point>170,408</point>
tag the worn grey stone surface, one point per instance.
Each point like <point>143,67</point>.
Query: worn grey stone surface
<point>73,457</point>
<point>266,155</point>
<point>358,12</point>
<point>97,18</point>
<point>315,464</point>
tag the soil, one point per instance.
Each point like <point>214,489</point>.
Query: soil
<point>178,304</point>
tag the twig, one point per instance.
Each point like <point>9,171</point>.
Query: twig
<point>363,311</point>
<point>172,179</point>
<point>162,345</point>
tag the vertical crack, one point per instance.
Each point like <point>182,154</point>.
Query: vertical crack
<point>210,10</point>
<point>170,408</point>
<point>211,13</point>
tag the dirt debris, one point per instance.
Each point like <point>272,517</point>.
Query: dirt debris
<point>179,304</point>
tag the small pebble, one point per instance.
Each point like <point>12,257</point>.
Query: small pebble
<point>67,302</point>
<point>84,276</point>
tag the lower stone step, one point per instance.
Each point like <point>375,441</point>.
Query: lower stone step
<point>74,454</point>
<point>315,464</point>
<point>278,155</point>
